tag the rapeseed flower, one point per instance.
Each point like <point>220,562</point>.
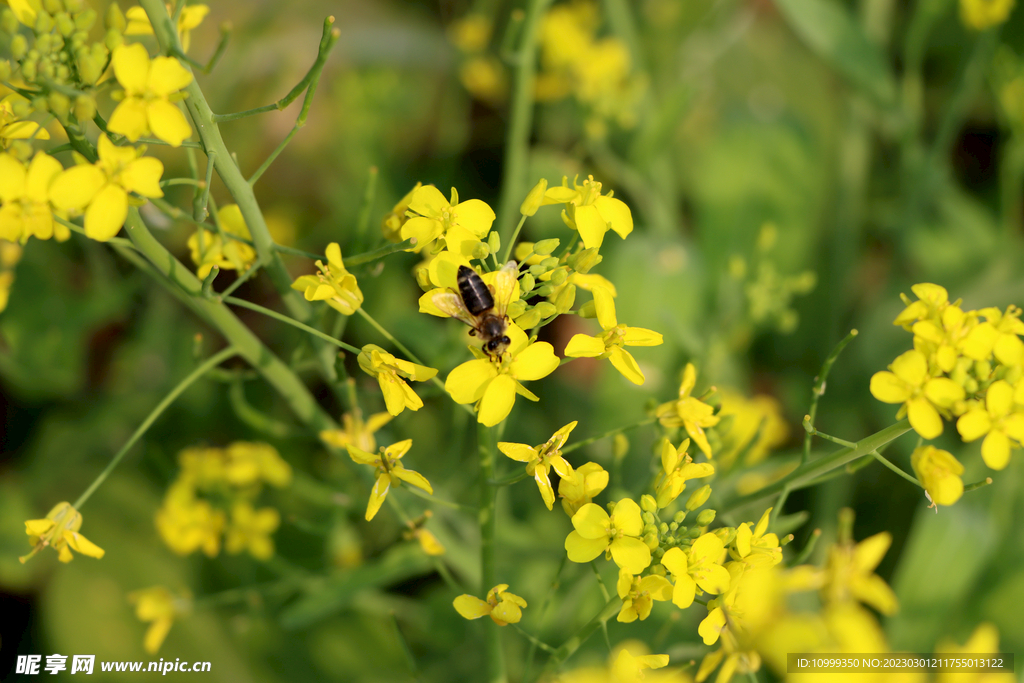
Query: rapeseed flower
<point>493,385</point>
<point>940,474</point>
<point>160,606</point>
<point>26,210</point>
<point>589,212</point>
<point>333,284</point>
<point>186,523</point>
<point>609,343</point>
<point>689,412</point>
<point>191,16</point>
<point>849,574</point>
<point>700,566</point>
<point>354,431</point>
<point>983,14</point>
<point>59,530</point>
<point>102,189</point>
<point>543,458</point>
<point>998,336</point>
<point>501,606</point>
<point>757,548</point>
<point>15,127</point>
<point>638,595</point>
<point>922,396</point>
<point>677,467</point>
<point>463,224</point>
<point>391,374</point>
<point>391,224</point>
<point>1000,422</point>
<point>617,535</point>
<point>250,530</point>
<point>388,469</point>
<point>150,91</point>
<point>589,481</point>
<point>932,300</point>
<point>10,254</point>
<point>210,249</point>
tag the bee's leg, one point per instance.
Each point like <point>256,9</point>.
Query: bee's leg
<point>472,333</point>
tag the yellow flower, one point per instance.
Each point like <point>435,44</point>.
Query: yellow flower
<point>333,284</point>
<point>997,335</point>
<point>186,523</point>
<point>543,458</point>
<point>698,567</point>
<point>493,385</point>
<point>463,224</point>
<point>677,467</point>
<point>638,595</point>
<point>932,301</point>
<point>210,249</point>
<point>150,89</point>
<point>26,10</point>
<point>24,194</point>
<point>191,16</point>
<point>940,473</point>
<point>502,607</point>
<point>922,396</point>
<point>609,343</point>
<point>589,481</point>
<point>757,548</point>
<point>13,127</point>
<point>983,14</point>
<point>617,535</point>
<point>984,641</point>
<point>388,470</point>
<point>389,372</point>
<point>589,212</point>
<point>998,422</point>
<point>250,530</point>
<point>627,667</point>
<point>757,427</point>
<point>355,432</point>
<point>428,542</point>
<point>689,412</point>
<point>60,531</point>
<point>246,463</point>
<point>10,254</point>
<point>391,225</point>
<point>101,189</point>
<point>160,606</point>
<point>849,574</point>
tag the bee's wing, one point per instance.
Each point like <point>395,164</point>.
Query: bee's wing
<point>504,287</point>
<point>451,304</point>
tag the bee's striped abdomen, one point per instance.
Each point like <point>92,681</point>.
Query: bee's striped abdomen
<point>474,292</point>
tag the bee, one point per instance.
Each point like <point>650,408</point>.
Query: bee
<point>482,307</point>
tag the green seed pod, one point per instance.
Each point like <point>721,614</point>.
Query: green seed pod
<point>526,283</point>
<point>559,276</point>
<point>60,105</point>
<point>44,23</point>
<point>529,319</point>
<point>545,290</point>
<point>19,47</point>
<point>85,20</point>
<point>545,247</point>
<point>494,242</point>
<point>648,504</point>
<point>114,18</point>
<point>85,107</point>
<point>65,24</point>
<point>698,497</point>
<point>545,309</point>
<point>8,21</point>
<point>705,517</point>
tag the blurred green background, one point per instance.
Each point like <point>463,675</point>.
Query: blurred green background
<point>871,135</point>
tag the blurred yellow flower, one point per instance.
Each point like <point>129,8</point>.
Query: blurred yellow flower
<point>160,606</point>
<point>191,16</point>
<point>355,432</point>
<point>849,574</point>
<point>388,469</point>
<point>25,199</point>
<point>638,595</point>
<point>391,224</point>
<point>14,127</point>
<point>999,422</point>
<point>209,249</point>
<point>59,530</point>
<point>186,523</point>
<point>150,93</point>
<point>10,254</point>
<point>250,530</point>
<point>502,607</point>
<point>390,372</point>
<point>983,14</point>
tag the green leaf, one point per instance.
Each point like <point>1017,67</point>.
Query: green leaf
<point>828,30</point>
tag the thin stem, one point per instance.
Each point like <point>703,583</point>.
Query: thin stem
<point>487,521</point>
<point>211,362</point>
<point>533,640</point>
<point>370,256</point>
<point>811,431</point>
<point>512,240</point>
<point>119,241</point>
<point>291,321</point>
<point>273,155</point>
<point>363,221</point>
<point>607,596</point>
<point>819,389</point>
<point>617,430</point>
<point>541,612</point>
<point>569,647</point>
<point>199,210</point>
<point>241,279</point>
<point>807,549</point>
<point>880,458</point>
<point>511,479</point>
<point>517,143</point>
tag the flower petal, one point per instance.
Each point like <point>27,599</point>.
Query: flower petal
<point>631,554</point>
<point>534,362</point>
<point>474,215</point>
<point>584,346</point>
<point>130,119</point>
<point>106,213</point>
<point>467,382</point>
<point>74,188</point>
<point>591,521</point>
<point>166,76</point>
<point>378,494</point>
<point>131,67</point>
<point>580,549</point>
<point>143,176</point>
<point>616,213</point>
<point>471,607</point>
<point>168,122</point>
<point>924,418</point>
<point>624,362</point>
<point>497,401</point>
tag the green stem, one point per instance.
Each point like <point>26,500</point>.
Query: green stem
<point>234,301</point>
<point>370,256</point>
<point>808,472</point>
<point>880,458</point>
<point>211,362</point>
<point>819,389</point>
<point>486,519</point>
<point>512,241</point>
<point>363,220</point>
<point>618,430</point>
<point>254,178</point>
<point>807,549</point>
<point>534,642</point>
<point>520,120</point>
<point>569,647</point>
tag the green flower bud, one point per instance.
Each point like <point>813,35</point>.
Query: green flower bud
<point>528,320</point>
<point>494,242</point>
<point>545,247</point>
<point>545,290</point>
<point>19,47</point>
<point>673,527</point>
<point>63,73</point>
<point>550,263</point>
<point>526,283</point>
<point>113,39</point>
<point>78,39</point>
<point>44,23</point>
<point>587,310</point>
<point>620,447</point>
<point>423,279</point>
<point>648,519</point>
<point>65,24</point>
<point>481,251</point>
<point>114,18</point>
<point>679,517</point>
<point>44,44</point>
<point>5,69</point>
<point>73,5</point>
<point>48,68</point>
<point>8,21</point>
<point>91,62</point>
<point>565,299</point>
<point>545,309</point>
<point>705,517</point>
<point>698,498</point>
<point>584,260</point>
<point>537,270</point>
<point>30,69</point>
<point>648,504</point>
<point>60,105</point>
<point>651,541</point>
<point>534,198</point>
<point>559,276</point>
<point>516,309</point>
<point>663,528</point>
<point>85,107</point>
<point>85,20</point>
<point>610,505</point>
<point>658,569</point>
<point>53,6</point>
